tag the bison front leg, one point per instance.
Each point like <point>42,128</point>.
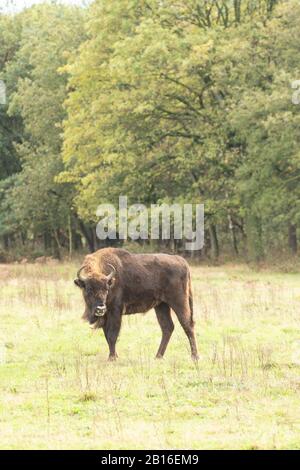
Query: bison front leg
<point>111,331</point>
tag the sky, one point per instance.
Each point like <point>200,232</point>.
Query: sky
<point>17,5</point>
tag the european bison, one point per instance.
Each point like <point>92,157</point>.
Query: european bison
<point>115,282</point>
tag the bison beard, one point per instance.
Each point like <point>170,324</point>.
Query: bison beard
<point>115,282</point>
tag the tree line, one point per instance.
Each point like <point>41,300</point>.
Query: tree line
<point>161,101</point>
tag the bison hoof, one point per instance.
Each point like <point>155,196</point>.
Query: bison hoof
<point>195,357</point>
<point>159,356</point>
<point>112,358</point>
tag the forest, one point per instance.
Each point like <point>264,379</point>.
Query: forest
<point>173,103</point>
<point>162,101</point>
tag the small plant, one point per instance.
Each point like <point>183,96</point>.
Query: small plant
<point>88,396</point>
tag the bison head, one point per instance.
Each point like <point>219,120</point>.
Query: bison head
<point>95,289</point>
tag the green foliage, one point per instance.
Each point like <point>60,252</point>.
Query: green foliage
<point>49,35</point>
<point>186,102</point>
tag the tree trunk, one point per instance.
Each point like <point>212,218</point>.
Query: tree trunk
<point>6,241</point>
<point>292,235</point>
<point>70,236</point>
<point>233,234</point>
<point>57,246</point>
<point>88,235</point>
<point>214,240</point>
<point>255,246</point>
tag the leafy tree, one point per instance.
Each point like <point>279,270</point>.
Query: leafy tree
<point>160,101</point>
<point>267,122</point>
<point>154,104</point>
<point>49,34</point>
<point>10,127</point>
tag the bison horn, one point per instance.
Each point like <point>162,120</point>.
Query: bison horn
<point>111,275</point>
<point>78,273</point>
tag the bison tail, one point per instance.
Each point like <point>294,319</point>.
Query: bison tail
<point>191,304</point>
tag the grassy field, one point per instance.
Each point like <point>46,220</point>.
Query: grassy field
<point>57,390</point>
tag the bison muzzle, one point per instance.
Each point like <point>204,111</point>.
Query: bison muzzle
<point>115,282</point>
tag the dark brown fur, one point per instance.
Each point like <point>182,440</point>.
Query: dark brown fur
<point>140,282</point>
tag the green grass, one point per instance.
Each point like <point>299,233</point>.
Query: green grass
<point>57,390</point>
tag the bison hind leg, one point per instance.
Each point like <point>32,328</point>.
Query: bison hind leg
<point>163,313</point>
<point>184,314</point>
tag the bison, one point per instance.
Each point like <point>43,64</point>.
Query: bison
<point>115,282</point>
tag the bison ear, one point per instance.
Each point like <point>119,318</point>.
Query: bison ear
<point>79,283</point>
